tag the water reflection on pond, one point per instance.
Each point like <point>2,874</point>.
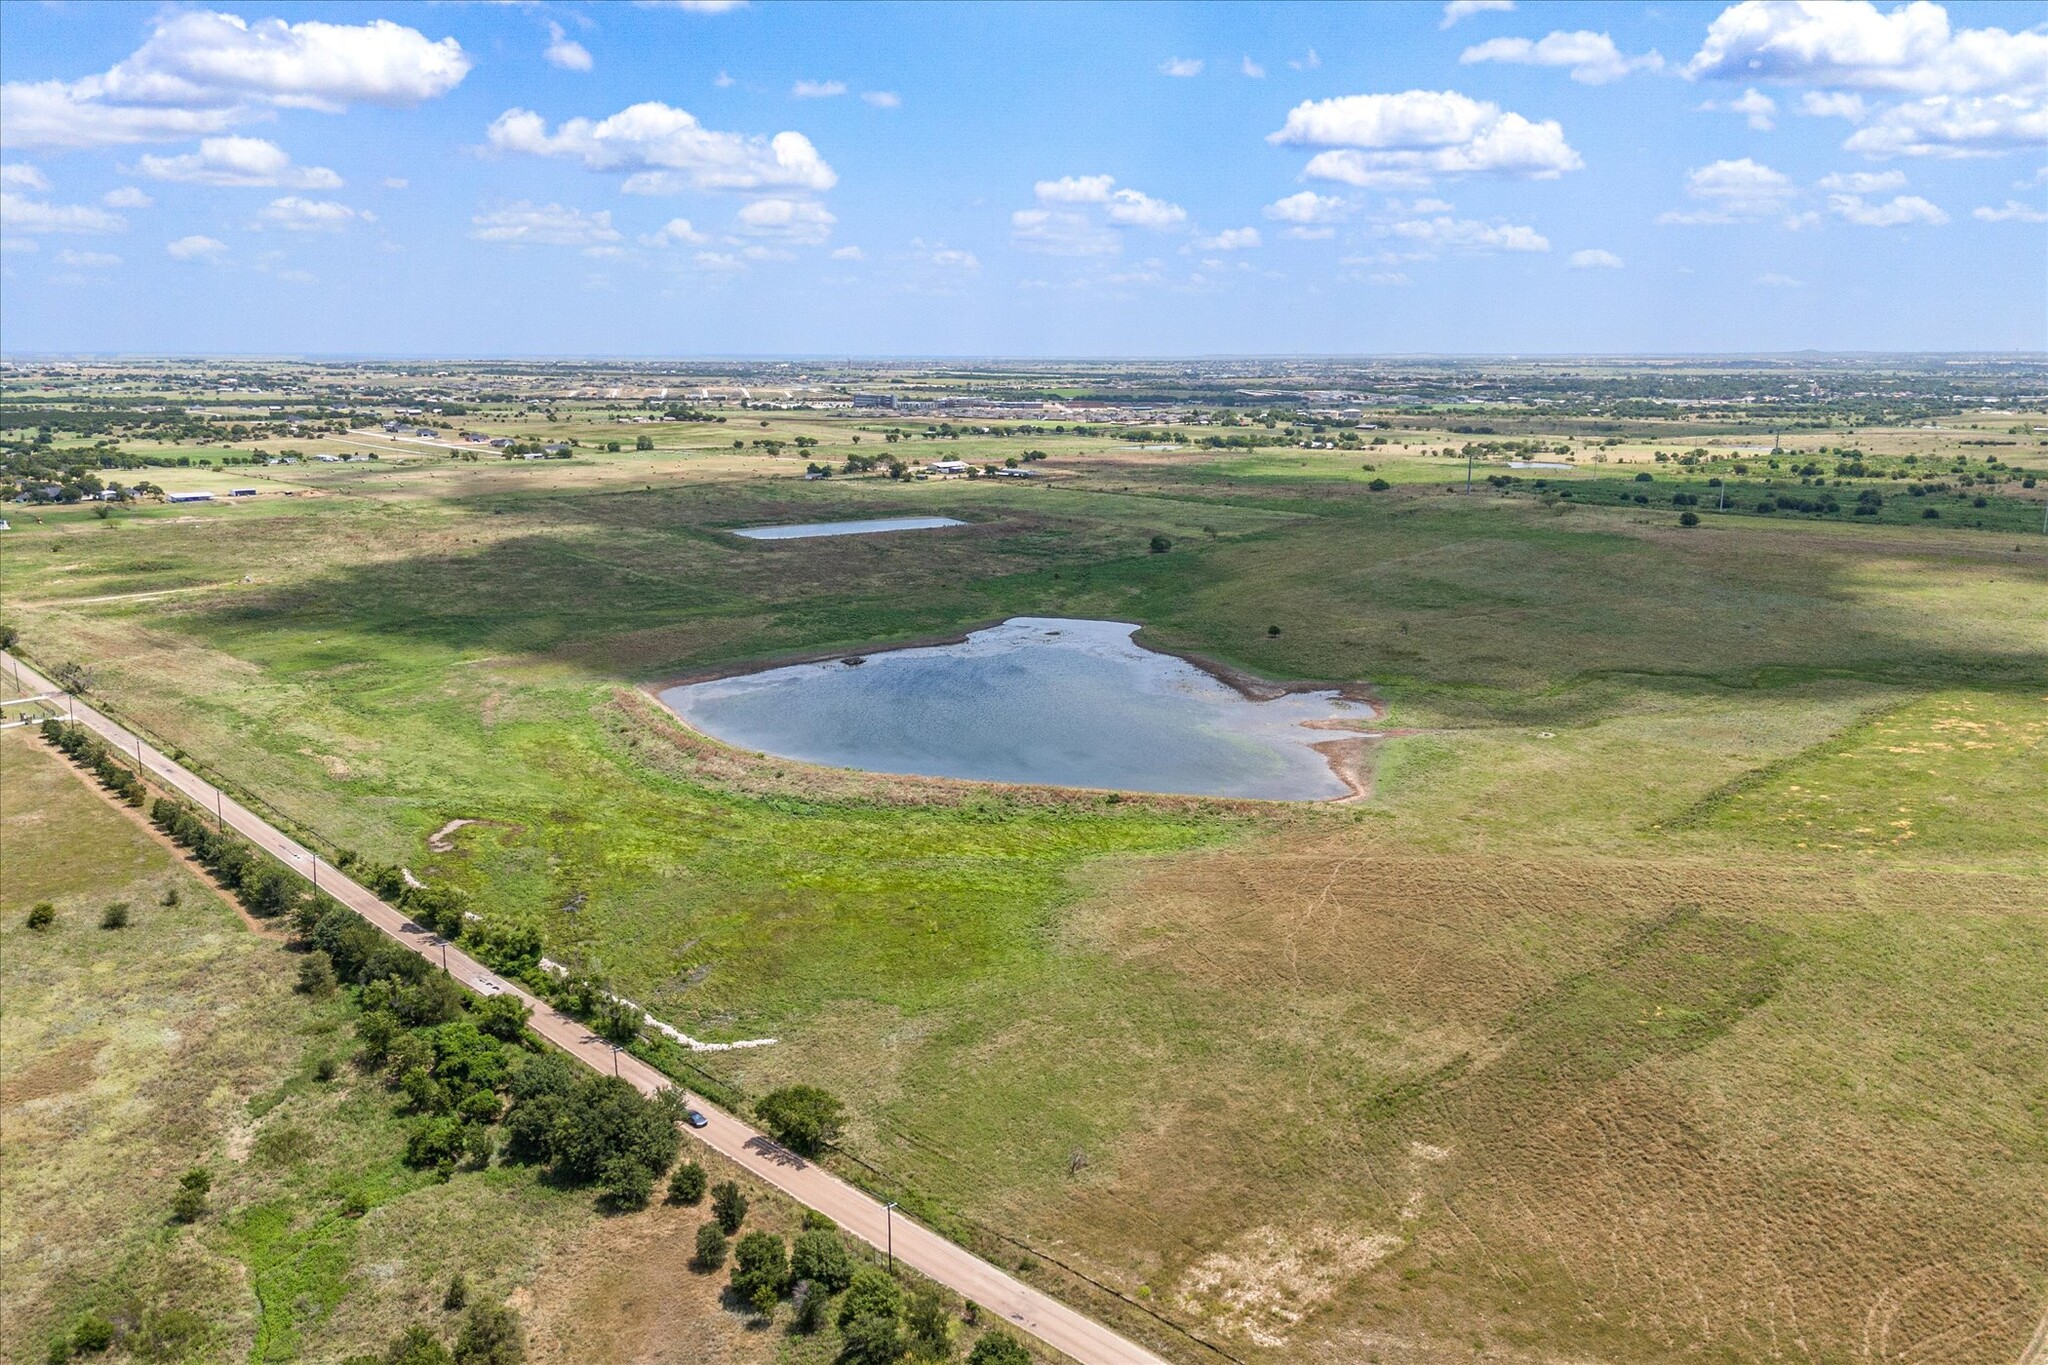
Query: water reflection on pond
<point>1035,699</point>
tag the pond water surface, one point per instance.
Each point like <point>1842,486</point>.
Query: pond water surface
<point>1037,700</point>
<point>846,528</point>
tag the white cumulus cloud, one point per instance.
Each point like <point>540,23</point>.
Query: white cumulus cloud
<point>200,72</point>
<point>1230,239</point>
<point>88,260</point>
<point>196,248</point>
<point>1062,232</point>
<point>883,99</point>
<point>1864,182</point>
<point>1851,44</point>
<point>565,52</point>
<point>1075,189</point>
<point>2013,212</point>
<point>1592,58</point>
<point>1415,136</point>
<point>30,217</point>
<point>127,197</point>
<point>675,232</point>
<point>1759,110</point>
<point>312,215</point>
<point>527,223</point>
<point>249,161</point>
<point>1955,126</point>
<point>1465,234</point>
<point>1182,67</point>
<point>19,175</point>
<point>848,253</point>
<point>818,90</point>
<point>1595,259</point>
<point>796,221</point>
<point>1250,68</point>
<point>1133,208</point>
<point>1903,211</point>
<point>1465,9</point>
<point>1733,191</point>
<point>667,150</point>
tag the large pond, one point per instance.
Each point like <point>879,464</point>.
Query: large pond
<point>1038,700</point>
<point>846,528</point>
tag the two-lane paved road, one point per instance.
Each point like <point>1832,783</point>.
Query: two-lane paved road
<point>1027,1309</point>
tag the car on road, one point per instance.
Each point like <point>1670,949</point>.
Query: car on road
<point>694,1119</point>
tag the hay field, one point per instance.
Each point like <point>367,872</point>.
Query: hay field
<point>1596,1034</point>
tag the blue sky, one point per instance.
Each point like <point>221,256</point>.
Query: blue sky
<point>711,179</point>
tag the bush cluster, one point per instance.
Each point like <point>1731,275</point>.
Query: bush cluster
<point>86,749</point>
<point>266,888</point>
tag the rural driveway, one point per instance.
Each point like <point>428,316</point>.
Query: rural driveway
<point>859,1214</point>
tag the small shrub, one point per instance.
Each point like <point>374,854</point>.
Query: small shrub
<point>490,1336</point>
<point>1379,485</point>
<point>686,1184</point>
<point>457,1297</point>
<point>710,1247</point>
<point>91,1334</point>
<point>1688,518</point>
<point>1160,545</point>
<point>808,1303</point>
<point>417,1346</point>
<point>1931,514</point>
<point>327,1068</point>
<point>170,898</point>
<point>42,916</point>
<point>998,1348</point>
<point>1272,632</point>
<point>316,975</point>
<point>931,1326</point>
<point>728,1206</point>
<point>115,916</point>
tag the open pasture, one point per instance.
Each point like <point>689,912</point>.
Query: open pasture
<point>1595,1030</point>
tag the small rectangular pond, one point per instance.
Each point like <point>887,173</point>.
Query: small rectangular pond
<point>1066,703</point>
<point>846,528</point>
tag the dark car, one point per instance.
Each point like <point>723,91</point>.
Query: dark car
<point>694,1119</point>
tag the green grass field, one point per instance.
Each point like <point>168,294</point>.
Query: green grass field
<point>136,1054</point>
<point>1624,1020</point>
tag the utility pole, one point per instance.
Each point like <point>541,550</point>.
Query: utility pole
<point>1468,469</point>
<point>220,822</point>
<point>889,1215</point>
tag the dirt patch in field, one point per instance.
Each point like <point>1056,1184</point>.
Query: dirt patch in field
<point>625,1293</point>
<point>60,1073</point>
<point>1263,1287</point>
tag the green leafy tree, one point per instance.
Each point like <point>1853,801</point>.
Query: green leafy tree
<point>820,1256</point>
<point>41,916</point>
<point>728,1206</point>
<point>998,1348</point>
<point>710,1247</point>
<point>316,975</point>
<point>760,1270</point>
<point>490,1335</point>
<point>686,1183</point>
<point>872,1292</point>
<point>502,1016</point>
<point>417,1345</point>
<point>870,1339</point>
<point>802,1117</point>
<point>930,1326</point>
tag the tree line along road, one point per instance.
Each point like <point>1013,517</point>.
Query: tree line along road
<point>856,1212</point>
